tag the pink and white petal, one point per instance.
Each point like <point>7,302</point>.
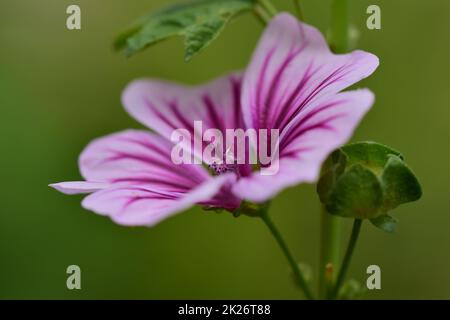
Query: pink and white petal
<point>325,124</point>
<point>77,187</point>
<point>138,157</point>
<point>140,205</point>
<point>306,143</point>
<point>291,66</point>
<point>259,188</point>
<point>165,107</point>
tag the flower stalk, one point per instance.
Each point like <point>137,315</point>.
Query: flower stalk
<point>339,40</point>
<point>284,248</point>
<point>261,14</point>
<point>347,258</point>
<point>264,11</point>
<point>268,7</point>
<point>329,252</point>
<point>298,9</point>
<point>330,225</point>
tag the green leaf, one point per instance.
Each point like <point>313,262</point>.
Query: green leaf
<point>357,194</point>
<point>385,222</point>
<point>199,22</point>
<point>400,185</point>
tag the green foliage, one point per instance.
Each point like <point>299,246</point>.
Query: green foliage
<point>365,181</point>
<point>199,22</point>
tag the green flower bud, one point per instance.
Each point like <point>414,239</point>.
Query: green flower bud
<point>366,180</point>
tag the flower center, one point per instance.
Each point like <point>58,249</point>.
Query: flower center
<point>221,168</point>
<point>226,164</point>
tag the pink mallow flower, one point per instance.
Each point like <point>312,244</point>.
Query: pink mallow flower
<point>293,84</point>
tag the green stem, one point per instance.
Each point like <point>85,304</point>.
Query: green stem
<point>329,252</point>
<point>268,7</point>
<point>295,267</point>
<point>299,10</point>
<point>348,257</point>
<point>339,26</point>
<point>261,14</point>
<point>330,225</point>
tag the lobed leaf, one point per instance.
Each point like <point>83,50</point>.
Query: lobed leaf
<point>199,22</point>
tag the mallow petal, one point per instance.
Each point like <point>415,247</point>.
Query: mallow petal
<point>260,188</point>
<point>132,179</point>
<point>164,106</point>
<point>325,125</point>
<point>76,187</point>
<point>291,66</point>
<point>138,205</point>
<point>138,157</point>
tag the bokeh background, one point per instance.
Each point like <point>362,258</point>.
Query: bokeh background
<point>59,89</point>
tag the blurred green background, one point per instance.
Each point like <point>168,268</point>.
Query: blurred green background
<point>59,89</point>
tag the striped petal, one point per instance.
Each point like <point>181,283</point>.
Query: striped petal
<point>325,125</point>
<point>138,157</point>
<point>164,106</point>
<point>77,187</point>
<point>141,205</point>
<point>132,179</point>
<point>292,65</point>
